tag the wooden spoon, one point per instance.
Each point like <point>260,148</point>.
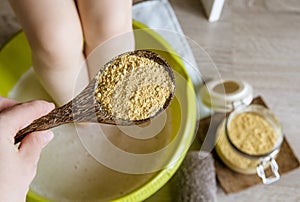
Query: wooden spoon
<point>85,108</point>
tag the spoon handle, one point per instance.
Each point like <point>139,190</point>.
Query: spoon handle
<point>56,117</point>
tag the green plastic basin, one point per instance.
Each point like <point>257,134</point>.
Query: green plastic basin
<point>15,59</point>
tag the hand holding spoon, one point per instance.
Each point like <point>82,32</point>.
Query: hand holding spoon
<point>132,88</point>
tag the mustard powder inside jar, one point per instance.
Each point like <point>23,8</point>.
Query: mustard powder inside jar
<point>249,139</point>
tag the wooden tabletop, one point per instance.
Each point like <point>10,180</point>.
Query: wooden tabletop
<point>255,40</point>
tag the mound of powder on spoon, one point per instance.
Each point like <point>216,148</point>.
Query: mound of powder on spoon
<point>134,87</point>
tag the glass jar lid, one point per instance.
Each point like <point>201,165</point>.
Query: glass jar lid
<point>226,95</point>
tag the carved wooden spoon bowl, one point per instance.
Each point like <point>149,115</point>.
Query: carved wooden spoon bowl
<point>85,107</point>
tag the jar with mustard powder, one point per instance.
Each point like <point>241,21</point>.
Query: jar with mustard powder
<point>249,138</point>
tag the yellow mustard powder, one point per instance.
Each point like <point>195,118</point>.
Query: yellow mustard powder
<point>134,88</point>
<point>250,133</point>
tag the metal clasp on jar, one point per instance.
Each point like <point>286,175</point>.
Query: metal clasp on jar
<point>274,167</point>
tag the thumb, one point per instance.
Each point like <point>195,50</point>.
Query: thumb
<point>32,145</point>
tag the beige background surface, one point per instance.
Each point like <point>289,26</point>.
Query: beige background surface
<point>255,40</point>
<point>258,41</point>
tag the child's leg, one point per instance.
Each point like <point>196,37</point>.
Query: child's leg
<point>54,33</point>
<point>102,21</point>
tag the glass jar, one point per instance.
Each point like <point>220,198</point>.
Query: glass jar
<point>249,139</point>
<point>264,146</point>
